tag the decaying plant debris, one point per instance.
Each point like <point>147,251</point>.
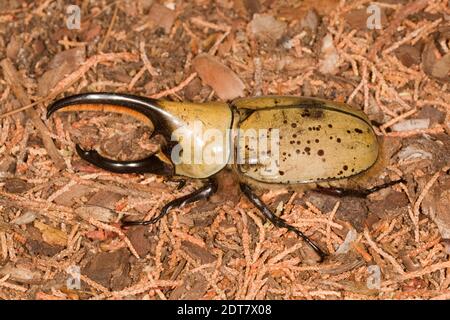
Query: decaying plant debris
<point>57,212</point>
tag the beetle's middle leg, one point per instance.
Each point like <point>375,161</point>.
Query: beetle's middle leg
<point>277,221</point>
<point>203,193</point>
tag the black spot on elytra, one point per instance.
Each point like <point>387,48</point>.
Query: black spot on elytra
<point>293,125</point>
<point>338,140</point>
<point>348,131</point>
<point>307,149</point>
<point>281,173</point>
<point>285,121</point>
<point>317,140</point>
<point>320,152</point>
<point>297,151</point>
<point>345,168</point>
<point>298,142</point>
<point>330,125</point>
<point>308,141</point>
<point>294,136</point>
<point>357,130</point>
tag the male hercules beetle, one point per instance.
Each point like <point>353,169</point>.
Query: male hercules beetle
<point>315,143</point>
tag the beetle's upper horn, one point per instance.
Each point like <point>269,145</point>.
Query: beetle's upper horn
<point>144,109</point>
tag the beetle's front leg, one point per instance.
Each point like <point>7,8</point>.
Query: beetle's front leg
<point>277,221</point>
<point>203,193</point>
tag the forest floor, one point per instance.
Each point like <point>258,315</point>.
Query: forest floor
<point>60,216</point>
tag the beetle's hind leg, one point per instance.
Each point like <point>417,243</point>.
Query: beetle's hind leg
<point>277,221</point>
<point>203,193</point>
<point>342,192</point>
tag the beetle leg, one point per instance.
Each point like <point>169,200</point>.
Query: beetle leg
<point>152,164</point>
<point>203,193</point>
<point>342,192</point>
<point>277,221</point>
<point>181,182</point>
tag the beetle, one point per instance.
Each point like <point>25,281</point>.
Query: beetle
<point>315,143</point>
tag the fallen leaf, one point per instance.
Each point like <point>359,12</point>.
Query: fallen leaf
<point>97,235</point>
<point>51,235</point>
<point>97,213</point>
<point>72,195</point>
<point>441,68</point>
<point>434,64</point>
<point>358,18</point>
<point>411,124</point>
<point>162,16</point>
<point>198,253</point>
<point>266,27</point>
<point>222,79</point>
<point>436,204</point>
<point>328,63</point>
<point>16,185</point>
<point>408,55</point>
<point>26,218</point>
<point>90,31</point>
<point>12,50</point>
<point>247,7</point>
<point>62,64</point>
<point>140,242</point>
<point>20,274</point>
<point>110,269</point>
